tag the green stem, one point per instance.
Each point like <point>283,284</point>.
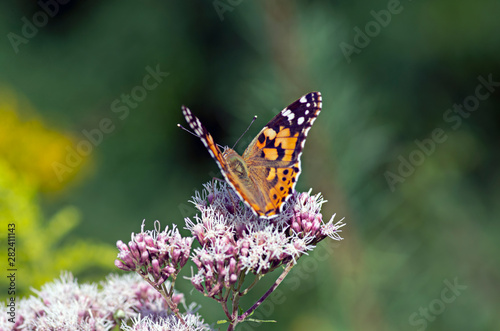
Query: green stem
<point>256,279</point>
<point>278,281</point>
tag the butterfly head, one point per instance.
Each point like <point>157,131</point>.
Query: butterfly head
<point>236,163</point>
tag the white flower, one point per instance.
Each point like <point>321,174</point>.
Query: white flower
<point>65,305</point>
<point>160,323</point>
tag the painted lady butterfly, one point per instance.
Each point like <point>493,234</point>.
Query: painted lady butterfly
<point>264,177</point>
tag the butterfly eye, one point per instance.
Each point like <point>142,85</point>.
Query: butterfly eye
<point>237,165</point>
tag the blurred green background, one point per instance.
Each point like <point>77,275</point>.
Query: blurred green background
<point>421,215</point>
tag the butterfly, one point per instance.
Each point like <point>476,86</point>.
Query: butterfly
<point>264,177</point>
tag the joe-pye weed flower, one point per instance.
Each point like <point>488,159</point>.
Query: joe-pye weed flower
<point>63,304</point>
<point>234,245</point>
<point>156,256</point>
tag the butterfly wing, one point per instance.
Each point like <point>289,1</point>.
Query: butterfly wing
<point>206,138</point>
<point>273,157</point>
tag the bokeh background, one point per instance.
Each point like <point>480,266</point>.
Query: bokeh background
<point>390,73</point>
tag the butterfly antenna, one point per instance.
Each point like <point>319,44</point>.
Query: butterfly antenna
<point>194,134</point>
<point>236,143</point>
<point>183,128</point>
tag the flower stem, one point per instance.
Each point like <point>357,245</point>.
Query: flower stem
<point>233,320</point>
<point>278,281</point>
<point>226,311</point>
<point>256,279</point>
<point>163,291</point>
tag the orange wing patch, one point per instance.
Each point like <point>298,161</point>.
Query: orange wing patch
<point>266,135</point>
<point>214,150</point>
<point>271,174</point>
<point>270,154</point>
<point>278,146</point>
<point>282,182</point>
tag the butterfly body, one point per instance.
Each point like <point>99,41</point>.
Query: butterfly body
<point>265,175</point>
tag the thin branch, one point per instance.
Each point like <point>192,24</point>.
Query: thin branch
<point>226,311</point>
<point>236,299</point>
<point>163,291</point>
<point>256,279</point>
<point>285,272</point>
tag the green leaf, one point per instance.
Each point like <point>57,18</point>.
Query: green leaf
<point>259,321</point>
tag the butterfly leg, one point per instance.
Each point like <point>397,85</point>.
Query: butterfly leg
<point>228,191</point>
<point>216,179</point>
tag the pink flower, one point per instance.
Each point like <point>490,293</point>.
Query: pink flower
<point>161,254</point>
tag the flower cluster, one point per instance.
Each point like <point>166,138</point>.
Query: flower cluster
<point>170,323</point>
<point>307,220</point>
<point>158,254</point>
<point>66,305</point>
<point>234,242</point>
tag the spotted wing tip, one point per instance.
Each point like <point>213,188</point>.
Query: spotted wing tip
<point>318,94</point>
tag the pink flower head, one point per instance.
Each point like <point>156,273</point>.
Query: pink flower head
<point>160,254</point>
